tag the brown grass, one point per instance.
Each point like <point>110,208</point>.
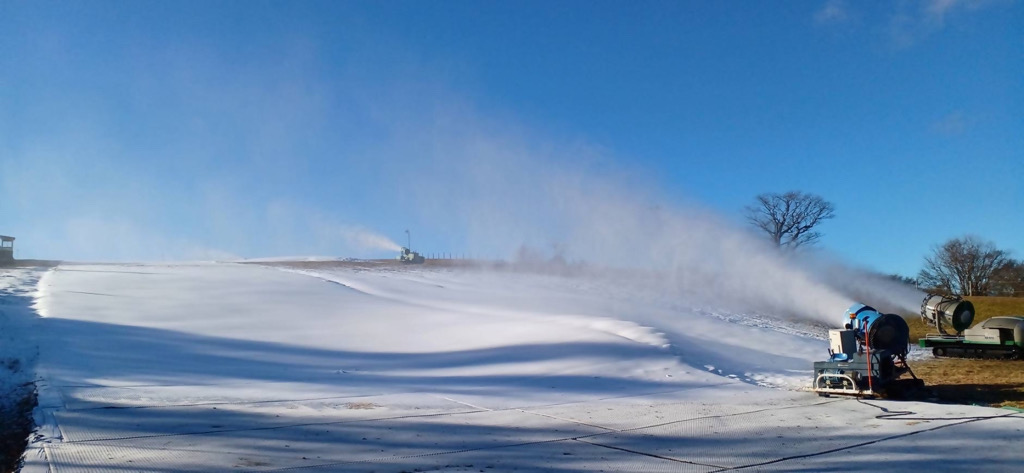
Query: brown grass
<point>388,264</point>
<point>998,383</point>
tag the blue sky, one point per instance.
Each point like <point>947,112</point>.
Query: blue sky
<point>146,130</point>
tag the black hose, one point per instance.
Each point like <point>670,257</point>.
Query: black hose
<point>899,415</point>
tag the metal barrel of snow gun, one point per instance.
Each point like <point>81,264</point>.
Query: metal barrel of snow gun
<point>881,331</point>
<point>954,312</point>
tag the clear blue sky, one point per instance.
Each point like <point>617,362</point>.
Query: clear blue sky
<point>160,130</point>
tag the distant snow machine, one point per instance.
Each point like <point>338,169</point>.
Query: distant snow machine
<point>410,257</point>
<point>995,338</point>
<point>866,358</point>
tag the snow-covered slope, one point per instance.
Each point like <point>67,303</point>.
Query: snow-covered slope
<point>751,348</point>
<point>209,367</point>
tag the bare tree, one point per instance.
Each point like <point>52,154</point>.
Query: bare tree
<point>963,266</point>
<point>1008,279</point>
<point>790,218</point>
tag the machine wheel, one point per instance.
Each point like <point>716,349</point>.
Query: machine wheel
<point>939,351</point>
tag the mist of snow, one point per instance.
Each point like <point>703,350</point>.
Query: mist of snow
<point>513,191</point>
<point>362,238</point>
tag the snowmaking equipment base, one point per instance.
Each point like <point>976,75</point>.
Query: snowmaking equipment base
<point>867,358</point>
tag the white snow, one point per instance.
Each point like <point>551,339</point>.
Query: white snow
<point>209,367</point>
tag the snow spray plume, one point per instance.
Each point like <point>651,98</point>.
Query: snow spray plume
<point>876,290</point>
<point>507,194</point>
<point>706,260</point>
<point>365,239</point>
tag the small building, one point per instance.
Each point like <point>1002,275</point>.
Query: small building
<point>6,248</point>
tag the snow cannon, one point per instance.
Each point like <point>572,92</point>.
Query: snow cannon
<point>867,357</point>
<point>879,331</point>
<point>410,257</point>
<point>953,311</point>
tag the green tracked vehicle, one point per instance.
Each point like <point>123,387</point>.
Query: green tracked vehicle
<point>995,338</point>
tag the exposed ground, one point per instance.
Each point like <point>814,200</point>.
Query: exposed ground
<point>28,263</point>
<point>17,360</point>
<point>375,264</point>
<point>997,383</point>
<point>15,427</point>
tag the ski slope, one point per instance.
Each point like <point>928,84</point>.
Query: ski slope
<point>214,367</point>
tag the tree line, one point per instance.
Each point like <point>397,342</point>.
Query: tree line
<point>968,265</point>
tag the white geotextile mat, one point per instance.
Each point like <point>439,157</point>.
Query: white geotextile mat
<point>141,422</point>
<point>566,455</point>
<point>816,436</point>
<point>992,445</point>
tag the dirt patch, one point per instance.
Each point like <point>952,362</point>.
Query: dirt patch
<point>249,463</point>
<point>15,426</point>
<point>997,383</point>
<point>378,264</point>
